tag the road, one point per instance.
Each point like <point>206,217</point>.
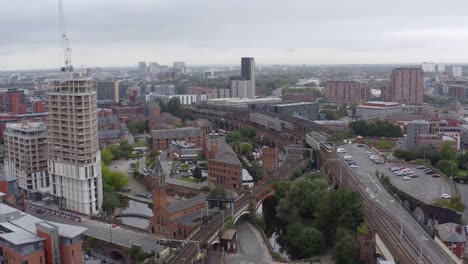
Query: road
<point>376,192</point>
<point>249,249</point>
<point>120,236</point>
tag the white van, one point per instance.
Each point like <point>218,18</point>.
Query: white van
<point>347,157</point>
<point>340,150</point>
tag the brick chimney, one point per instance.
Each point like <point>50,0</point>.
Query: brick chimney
<point>459,229</point>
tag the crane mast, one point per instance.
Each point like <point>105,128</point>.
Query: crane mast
<point>67,68</point>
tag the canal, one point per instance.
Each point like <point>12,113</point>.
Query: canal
<point>135,207</point>
<point>273,231</point>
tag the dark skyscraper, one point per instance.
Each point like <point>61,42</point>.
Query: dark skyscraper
<point>248,73</point>
<point>247,68</point>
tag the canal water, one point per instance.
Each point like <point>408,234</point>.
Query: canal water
<point>135,207</point>
<point>273,231</point>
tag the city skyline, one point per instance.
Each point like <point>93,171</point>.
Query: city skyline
<point>336,32</point>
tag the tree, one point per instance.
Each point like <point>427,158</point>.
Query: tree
<point>449,167</point>
<point>256,171</point>
<point>218,192</point>
<point>247,133</point>
<point>245,148</point>
<point>107,156</point>
<point>152,158</point>
<point>173,106</point>
<point>109,201</point>
<point>197,173</point>
<point>447,152</point>
<point>346,249</point>
<point>113,179</point>
<point>233,137</point>
<point>137,127</point>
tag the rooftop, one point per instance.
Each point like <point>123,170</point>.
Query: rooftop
<point>110,133</point>
<point>224,152</point>
<point>448,232</point>
<point>185,204</point>
<point>27,126</point>
<point>176,133</point>
<point>296,104</point>
<point>380,104</point>
<point>17,235</point>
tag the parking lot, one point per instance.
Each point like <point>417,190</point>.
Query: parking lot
<point>421,186</point>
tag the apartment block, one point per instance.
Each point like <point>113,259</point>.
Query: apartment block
<point>108,90</point>
<point>74,156</point>
<point>407,86</point>
<point>346,92</point>
<point>26,153</point>
<point>413,130</point>
<point>28,239</point>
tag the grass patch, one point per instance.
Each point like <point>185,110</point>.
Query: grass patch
<point>385,144</point>
<point>139,144</point>
<point>461,173</point>
<point>454,203</point>
<point>189,179</point>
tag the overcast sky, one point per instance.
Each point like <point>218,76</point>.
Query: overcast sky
<point>123,32</point>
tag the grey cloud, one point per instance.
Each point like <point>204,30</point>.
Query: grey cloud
<point>119,32</point>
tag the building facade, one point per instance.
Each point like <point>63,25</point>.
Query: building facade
<point>74,156</point>
<point>248,73</point>
<point>162,139</point>
<point>346,92</point>
<point>26,153</point>
<point>239,87</point>
<point>457,71</point>
<point>224,168</point>
<point>305,110</point>
<point>413,130</point>
<point>108,90</point>
<point>372,109</point>
<point>407,86</point>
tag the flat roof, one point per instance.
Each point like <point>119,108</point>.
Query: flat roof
<point>28,222</point>
<point>293,104</point>
<point>18,236</point>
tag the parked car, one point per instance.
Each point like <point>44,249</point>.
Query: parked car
<point>445,196</point>
<point>354,166</point>
<point>340,150</point>
<point>378,161</point>
<point>421,167</point>
<point>361,146</point>
<point>39,211</point>
<point>394,169</point>
<point>430,172</point>
<point>406,178</point>
<point>435,175</point>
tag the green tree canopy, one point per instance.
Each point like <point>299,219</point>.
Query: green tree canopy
<point>447,152</point>
<point>346,247</point>
<point>218,192</point>
<point>233,137</point>
<point>245,148</point>
<point>449,167</point>
<point>375,129</point>
<point>107,156</point>
<point>197,173</point>
<point>247,133</point>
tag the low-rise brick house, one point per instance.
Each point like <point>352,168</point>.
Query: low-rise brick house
<point>224,168</point>
<point>454,236</point>
<point>162,139</point>
<point>110,137</point>
<point>175,220</point>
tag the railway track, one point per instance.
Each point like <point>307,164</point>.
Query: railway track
<point>402,247</point>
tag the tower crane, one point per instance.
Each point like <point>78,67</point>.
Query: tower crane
<point>67,68</point>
